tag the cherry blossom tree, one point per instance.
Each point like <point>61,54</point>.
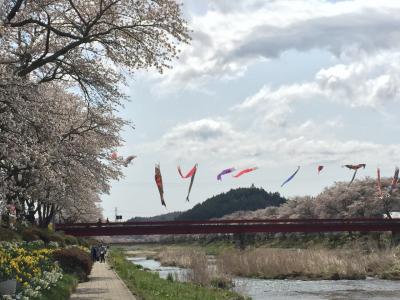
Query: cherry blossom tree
<point>54,153</point>
<point>88,43</point>
<point>360,199</point>
<point>61,65</point>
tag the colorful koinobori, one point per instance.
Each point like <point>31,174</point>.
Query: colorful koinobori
<point>240,173</point>
<point>290,177</point>
<point>355,168</point>
<point>159,183</point>
<point>191,174</point>
<point>379,185</point>
<point>394,181</point>
<point>319,168</point>
<point>392,185</point>
<point>224,172</point>
<point>126,161</point>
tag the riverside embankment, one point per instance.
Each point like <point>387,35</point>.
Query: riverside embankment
<point>280,273</point>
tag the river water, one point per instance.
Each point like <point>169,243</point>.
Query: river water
<point>260,289</point>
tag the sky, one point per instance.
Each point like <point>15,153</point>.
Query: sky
<point>272,84</point>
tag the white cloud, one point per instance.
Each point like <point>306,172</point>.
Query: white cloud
<point>230,36</point>
<point>273,105</point>
<point>218,141</point>
<point>273,133</point>
<point>372,81</point>
<point>227,38</point>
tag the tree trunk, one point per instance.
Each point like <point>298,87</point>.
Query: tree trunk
<point>46,215</point>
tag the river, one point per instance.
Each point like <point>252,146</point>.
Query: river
<point>260,289</point>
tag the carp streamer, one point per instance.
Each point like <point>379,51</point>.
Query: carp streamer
<point>191,175</point>
<point>291,177</point>
<point>114,156</point>
<point>159,183</point>
<point>224,172</point>
<point>245,171</point>
<point>378,183</point>
<point>129,159</point>
<point>394,180</point>
<point>319,169</point>
<point>188,175</point>
<point>355,168</point>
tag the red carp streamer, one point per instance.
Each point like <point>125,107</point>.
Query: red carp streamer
<point>114,156</point>
<point>191,175</point>
<point>188,175</point>
<point>245,171</point>
<point>378,183</point>
<point>355,168</point>
<point>193,171</point>
<point>394,180</point>
<point>320,169</point>
<point>159,183</point>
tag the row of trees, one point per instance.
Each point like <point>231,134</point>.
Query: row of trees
<point>61,63</point>
<point>360,199</point>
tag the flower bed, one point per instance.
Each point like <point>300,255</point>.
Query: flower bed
<point>31,264</point>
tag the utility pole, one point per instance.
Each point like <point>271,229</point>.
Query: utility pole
<point>117,217</point>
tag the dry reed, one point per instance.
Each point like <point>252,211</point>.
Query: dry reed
<point>200,270</point>
<point>305,263</point>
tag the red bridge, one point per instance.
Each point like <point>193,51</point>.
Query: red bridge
<point>230,226</point>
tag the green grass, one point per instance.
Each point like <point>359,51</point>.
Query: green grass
<point>62,290</point>
<point>149,286</point>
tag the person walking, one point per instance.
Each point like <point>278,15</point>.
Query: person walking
<point>93,253</point>
<point>102,250</point>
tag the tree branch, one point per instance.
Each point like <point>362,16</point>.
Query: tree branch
<point>48,26</point>
<point>14,10</point>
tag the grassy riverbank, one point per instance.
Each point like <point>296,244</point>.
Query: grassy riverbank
<point>147,285</point>
<point>280,263</point>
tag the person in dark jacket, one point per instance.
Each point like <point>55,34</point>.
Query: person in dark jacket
<point>93,253</point>
<point>102,250</point>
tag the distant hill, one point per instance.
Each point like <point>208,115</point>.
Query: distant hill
<point>241,199</point>
<point>165,217</point>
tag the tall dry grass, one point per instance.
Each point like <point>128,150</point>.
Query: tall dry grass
<point>305,263</point>
<point>200,270</point>
<point>180,257</point>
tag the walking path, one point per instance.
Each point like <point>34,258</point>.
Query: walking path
<point>103,284</point>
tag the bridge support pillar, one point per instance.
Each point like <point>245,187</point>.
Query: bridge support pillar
<point>396,237</point>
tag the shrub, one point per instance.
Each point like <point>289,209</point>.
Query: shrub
<point>70,240</point>
<point>84,242</point>
<point>34,234</point>
<point>8,235</point>
<point>30,235</point>
<point>74,261</point>
<point>56,237</point>
<point>44,234</point>
<point>222,282</point>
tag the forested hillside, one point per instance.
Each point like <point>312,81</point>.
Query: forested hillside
<point>241,199</point>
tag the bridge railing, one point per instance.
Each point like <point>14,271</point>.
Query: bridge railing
<point>232,221</point>
<point>263,225</point>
